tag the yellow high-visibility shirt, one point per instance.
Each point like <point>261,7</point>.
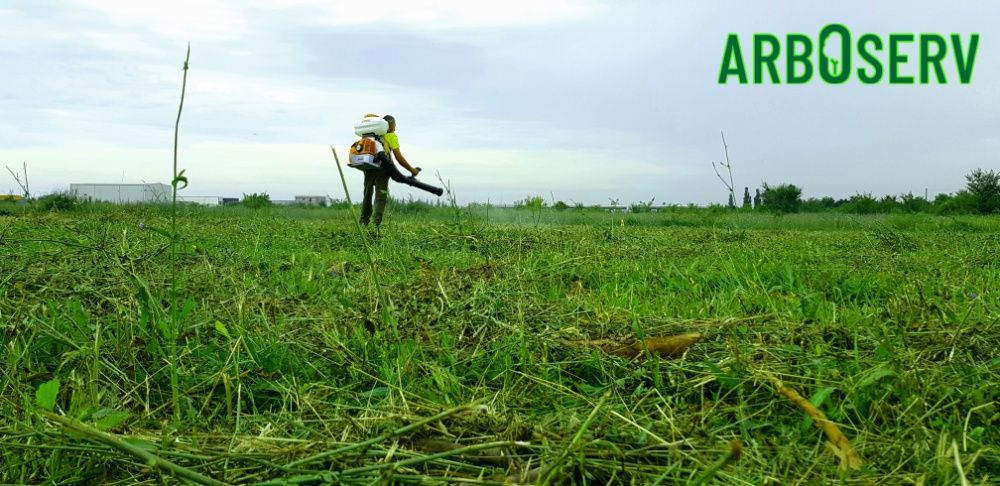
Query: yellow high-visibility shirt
<point>391,142</point>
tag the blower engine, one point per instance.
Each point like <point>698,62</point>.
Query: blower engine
<point>369,153</point>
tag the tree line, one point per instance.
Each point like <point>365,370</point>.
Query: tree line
<point>981,195</point>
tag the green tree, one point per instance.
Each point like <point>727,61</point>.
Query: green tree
<point>783,198</point>
<point>984,186</point>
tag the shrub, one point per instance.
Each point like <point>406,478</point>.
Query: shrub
<point>962,202</point>
<point>783,198</point>
<point>642,207</point>
<point>537,202</point>
<point>913,204</point>
<point>339,204</point>
<point>813,205</point>
<point>409,206</point>
<point>861,204</point>
<point>984,187</point>
<point>58,201</point>
<point>256,200</point>
<point>560,206</point>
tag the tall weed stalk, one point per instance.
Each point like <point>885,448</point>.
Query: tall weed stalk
<point>452,201</point>
<point>175,314</point>
<point>389,314</point>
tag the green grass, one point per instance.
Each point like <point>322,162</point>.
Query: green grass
<point>888,323</point>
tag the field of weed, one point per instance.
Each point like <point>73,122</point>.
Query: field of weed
<point>283,346</point>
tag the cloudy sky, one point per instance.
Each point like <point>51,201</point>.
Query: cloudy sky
<point>584,100</point>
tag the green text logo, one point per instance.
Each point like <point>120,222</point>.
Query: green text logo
<point>837,57</point>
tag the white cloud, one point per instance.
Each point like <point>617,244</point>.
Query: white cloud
<point>194,20</point>
<point>442,15</point>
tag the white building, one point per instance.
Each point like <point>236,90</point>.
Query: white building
<point>312,200</point>
<point>202,200</point>
<point>122,193</point>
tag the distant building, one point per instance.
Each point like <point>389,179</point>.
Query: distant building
<point>122,193</point>
<point>312,200</point>
<point>202,200</point>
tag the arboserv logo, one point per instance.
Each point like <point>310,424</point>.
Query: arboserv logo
<point>873,56</point>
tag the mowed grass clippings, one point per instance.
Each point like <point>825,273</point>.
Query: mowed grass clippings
<point>293,368</point>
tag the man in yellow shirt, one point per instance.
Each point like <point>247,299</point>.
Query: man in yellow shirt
<point>377,181</point>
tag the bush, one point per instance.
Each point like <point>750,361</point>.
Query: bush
<point>984,187</point>
<point>813,205</point>
<point>339,204</point>
<point>560,206</point>
<point>58,201</point>
<point>641,207</point>
<point>537,202</point>
<point>962,202</point>
<point>256,200</point>
<point>914,204</point>
<point>783,198</point>
<point>409,206</point>
<point>860,204</point>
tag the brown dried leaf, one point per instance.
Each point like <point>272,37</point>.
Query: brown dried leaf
<point>665,346</point>
<point>839,445</point>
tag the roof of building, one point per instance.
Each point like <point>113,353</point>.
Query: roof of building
<point>118,184</point>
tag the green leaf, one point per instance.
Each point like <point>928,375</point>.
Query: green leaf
<point>109,418</point>
<point>817,399</point>
<point>591,389</point>
<point>821,395</point>
<point>219,326</point>
<point>45,396</point>
<point>726,380</point>
<point>874,376</point>
<point>178,179</point>
<point>377,392</point>
<point>142,444</point>
<point>185,310</point>
<point>159,231</point>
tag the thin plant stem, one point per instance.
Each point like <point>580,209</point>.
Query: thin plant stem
<point>174,325</point>
<point>149,458</point>
<point>452,201</point>
<point>368,249</point>
<point>400,431</point>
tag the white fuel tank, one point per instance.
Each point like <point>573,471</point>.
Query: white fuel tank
<point>371,125</point>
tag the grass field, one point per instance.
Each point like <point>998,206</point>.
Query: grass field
<point>473,347</point>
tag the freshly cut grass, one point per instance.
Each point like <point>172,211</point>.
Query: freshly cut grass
<point>290,367</point>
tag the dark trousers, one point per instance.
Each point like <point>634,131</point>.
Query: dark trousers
<point>377,184</point>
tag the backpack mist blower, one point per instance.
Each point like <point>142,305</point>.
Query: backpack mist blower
<point>370,153</point>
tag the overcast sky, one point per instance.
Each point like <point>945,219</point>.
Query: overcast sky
<point>583,100</point>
